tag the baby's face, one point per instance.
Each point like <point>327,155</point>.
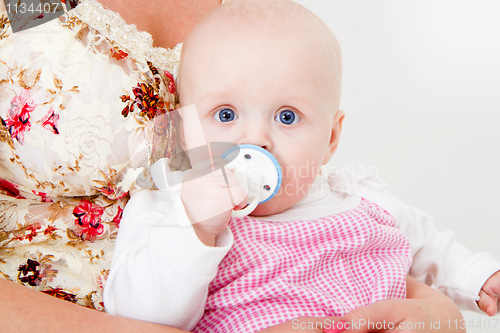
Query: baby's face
<point>267,92</point>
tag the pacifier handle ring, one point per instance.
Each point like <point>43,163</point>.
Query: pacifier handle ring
<point>247,210</point>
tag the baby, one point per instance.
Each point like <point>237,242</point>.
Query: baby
<point>268,73</point>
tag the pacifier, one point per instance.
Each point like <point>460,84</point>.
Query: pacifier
<point>258,173</point>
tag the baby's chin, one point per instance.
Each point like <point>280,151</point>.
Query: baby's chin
<point>274,206</point>
<point>264,211</point>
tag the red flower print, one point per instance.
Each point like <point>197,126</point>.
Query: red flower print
<point>49,121</point>
<point>171,82</point>
<point>118,217</point>
<point>10,189</point>
<point>18,116</point>
<point>156,75</point>
<point>145,96</point>
<point>118,54</point>
<point>29,273</point>
<point>88,220</point>
<point>147,101</point>
<point>108,189</point>
<point>49,230</point>
<point>126,110</point>
<point>43,196</point>
<point>59,293</point>
<point>72,3</point>
<point>30,233</point>
<point>33,232</point>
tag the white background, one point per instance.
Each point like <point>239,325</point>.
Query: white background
<point>421,92</point>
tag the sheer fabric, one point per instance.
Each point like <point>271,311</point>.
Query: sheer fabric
<point>78,99</point>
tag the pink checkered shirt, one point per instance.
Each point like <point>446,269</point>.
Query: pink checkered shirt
<point>277,271</point>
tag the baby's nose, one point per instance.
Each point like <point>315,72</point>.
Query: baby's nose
<point>257,130</point>
<point>258,138</point>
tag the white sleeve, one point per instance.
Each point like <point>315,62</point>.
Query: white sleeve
<point>160,271</point>
<point>440,260</point>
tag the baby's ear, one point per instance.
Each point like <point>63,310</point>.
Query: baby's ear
<point>338,120</point>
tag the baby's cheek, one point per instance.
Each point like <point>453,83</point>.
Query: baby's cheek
<point>294,187</point>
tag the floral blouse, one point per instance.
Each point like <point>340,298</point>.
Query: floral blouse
<point>78,99</point>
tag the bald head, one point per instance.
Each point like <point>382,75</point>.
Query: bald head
<point>266,73</point>
<point>277,22</point>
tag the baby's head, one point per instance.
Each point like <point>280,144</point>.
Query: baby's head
<point>267,73</point>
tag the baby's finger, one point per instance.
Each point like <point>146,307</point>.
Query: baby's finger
<point>238,192</point>
<point>192,132</point>
<point>240,197</point>
<point>487,303</point>
<point>204,166</point>
<point>492,285</point>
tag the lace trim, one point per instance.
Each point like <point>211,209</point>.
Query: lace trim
<point>139,43</point>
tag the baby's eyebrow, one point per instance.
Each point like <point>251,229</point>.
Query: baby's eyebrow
<point>223,97</point>
<point>300,103</point>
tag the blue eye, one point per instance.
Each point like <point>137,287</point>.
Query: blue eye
<point>287,117</point>
<point>225,115</point>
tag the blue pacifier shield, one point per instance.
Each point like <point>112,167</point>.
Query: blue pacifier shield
<point>262,170</point>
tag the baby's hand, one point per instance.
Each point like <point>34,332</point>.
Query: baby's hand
<point>209,200</point>
<point>489,295</point>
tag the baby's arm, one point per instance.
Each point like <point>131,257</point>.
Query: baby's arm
<point>160,270</point>
<point>441,261</point>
